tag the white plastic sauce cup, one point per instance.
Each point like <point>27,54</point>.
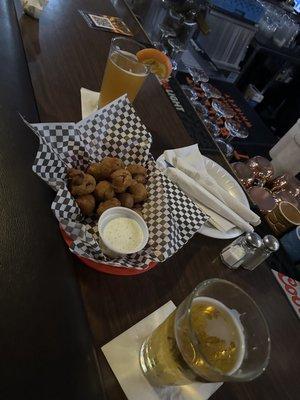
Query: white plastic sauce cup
<point>120,212</point>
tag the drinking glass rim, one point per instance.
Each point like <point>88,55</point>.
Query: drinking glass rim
<point>119,51</point>
<point>195,340</point>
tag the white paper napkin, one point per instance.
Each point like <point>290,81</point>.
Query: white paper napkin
<point>89,101</point>
<point>33,7</point>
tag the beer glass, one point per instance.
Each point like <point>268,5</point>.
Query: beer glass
<point>217,334</point>
<point>123,72</point>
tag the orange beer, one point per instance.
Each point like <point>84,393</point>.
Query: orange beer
<point>123,72</point>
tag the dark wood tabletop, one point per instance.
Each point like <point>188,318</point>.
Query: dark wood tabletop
<point>63,55</point>
<point>46,347</point>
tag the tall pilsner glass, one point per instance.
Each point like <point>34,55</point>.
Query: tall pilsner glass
<point>123,72</point>
<point>217,334</point>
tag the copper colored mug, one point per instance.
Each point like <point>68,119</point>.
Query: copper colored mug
<point>286,196</point>
<point>286,182</point>
<point>284,216</point>
<point>262,168</point>
<point>263,198</point>
<point>244,173</point>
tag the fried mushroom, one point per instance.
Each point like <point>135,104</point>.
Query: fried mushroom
<point>113,163</point>
<point>86,187</point>
<point>104,191</point>
<point>121,180</point>
<point>126,200</point>
<point>99,171</point>
<point>138,191</point>
<point>105,205</point>
<point>139,178</point>
<point>137,169</point>
<point>75,176</point>
<point>103,169</point>
<point>86,203</point>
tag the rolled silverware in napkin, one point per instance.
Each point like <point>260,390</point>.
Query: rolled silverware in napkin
<point>199,193</point>
<point>201,176</point>
<point>207,182</point>
<point>215,219</point>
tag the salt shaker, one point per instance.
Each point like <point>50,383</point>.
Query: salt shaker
<point>270,244</point>
<point>240,250</point>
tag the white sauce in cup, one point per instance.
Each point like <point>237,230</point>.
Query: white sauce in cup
<point>123,234</point>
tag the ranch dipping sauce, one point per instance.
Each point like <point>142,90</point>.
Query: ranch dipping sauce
<point>123,234</point>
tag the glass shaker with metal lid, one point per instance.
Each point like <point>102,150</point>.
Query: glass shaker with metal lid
<point>234,255</point>
<point>270,245</point>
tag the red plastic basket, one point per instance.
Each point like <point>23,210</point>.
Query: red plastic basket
<point>107,269</point>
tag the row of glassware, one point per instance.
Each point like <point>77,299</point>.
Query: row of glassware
<point>277,25</point>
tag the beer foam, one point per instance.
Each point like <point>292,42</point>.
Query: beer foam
<point>214,328</point>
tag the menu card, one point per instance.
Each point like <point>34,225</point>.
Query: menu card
<point>291,288</point>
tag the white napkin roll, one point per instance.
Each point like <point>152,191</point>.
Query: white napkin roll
<point>215,219</point>
<point>199,193</point>
<point>230,201</point>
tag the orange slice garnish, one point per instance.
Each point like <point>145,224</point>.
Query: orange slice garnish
<point>157,61</point>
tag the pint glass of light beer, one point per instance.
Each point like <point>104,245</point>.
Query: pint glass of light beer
<point>217,334</point>
<point>124,74</point>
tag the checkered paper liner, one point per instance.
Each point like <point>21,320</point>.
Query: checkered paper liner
<point>115,130</point>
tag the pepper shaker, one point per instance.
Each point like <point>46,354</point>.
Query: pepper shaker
<point>270,245</point>
<point>240,250</point>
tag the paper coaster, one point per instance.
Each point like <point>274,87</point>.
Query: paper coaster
<point>122,354</point>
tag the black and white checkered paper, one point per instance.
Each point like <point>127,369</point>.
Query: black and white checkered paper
<point>116,131</point>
